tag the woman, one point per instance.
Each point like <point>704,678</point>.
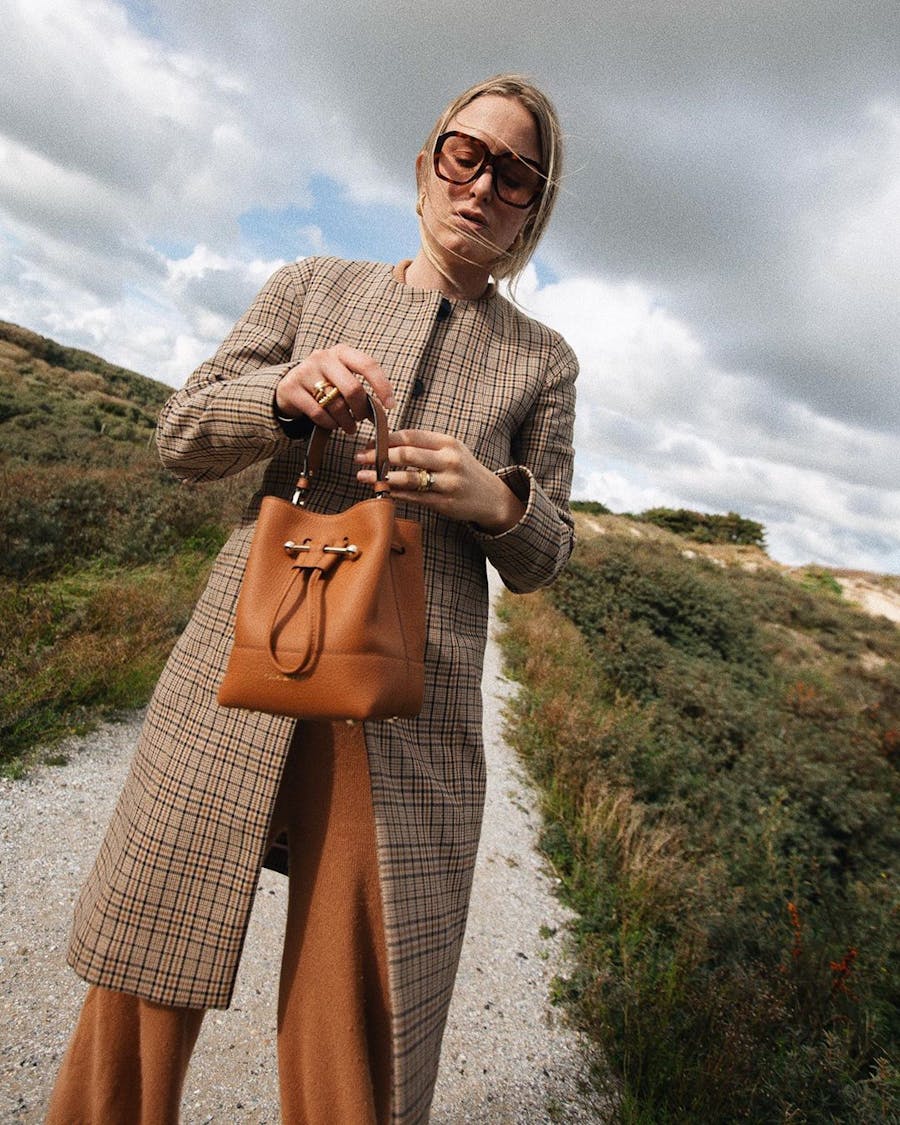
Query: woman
<point>382,819</point>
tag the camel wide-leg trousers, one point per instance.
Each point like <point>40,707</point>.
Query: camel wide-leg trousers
<point>128,1057</point>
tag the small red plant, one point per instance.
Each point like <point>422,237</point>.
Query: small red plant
<point>800,696</point>
<point>796,926</point>
<point>841,971</point>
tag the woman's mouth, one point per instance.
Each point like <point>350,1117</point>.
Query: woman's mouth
<point>472,218</point>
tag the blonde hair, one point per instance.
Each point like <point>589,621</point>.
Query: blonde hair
<point>510,262</point>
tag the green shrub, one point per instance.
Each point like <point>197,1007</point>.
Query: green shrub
<point>818,580</point>
<point>102,552</point>
<point>717,750</point>
<point>705,527</point>
<point>87,644</point>
<point>52,518</point>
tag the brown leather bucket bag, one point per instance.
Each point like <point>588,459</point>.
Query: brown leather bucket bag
<point>331,615</point>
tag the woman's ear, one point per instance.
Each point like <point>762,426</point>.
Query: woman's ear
<point>420,182</point>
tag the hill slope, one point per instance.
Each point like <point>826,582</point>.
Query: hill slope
<point>102,552</point>
<point>718,738</point>
<point>59,404</point>
<point>876,594</point>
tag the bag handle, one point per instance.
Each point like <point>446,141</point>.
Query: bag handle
<point>315,449</point>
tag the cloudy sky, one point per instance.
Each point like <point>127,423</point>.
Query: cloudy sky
<point>725,258</point>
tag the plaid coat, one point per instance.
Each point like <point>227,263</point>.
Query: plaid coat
<point>164,912</point>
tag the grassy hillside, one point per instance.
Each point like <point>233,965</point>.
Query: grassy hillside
<point>62,405</point>
<point>102,552</point>
<point>717,741</point>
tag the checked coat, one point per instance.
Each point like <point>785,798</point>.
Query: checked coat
<point>164,912</point>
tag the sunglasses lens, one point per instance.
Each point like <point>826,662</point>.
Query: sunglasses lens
<point>516,182</point>
<point>461,159</point>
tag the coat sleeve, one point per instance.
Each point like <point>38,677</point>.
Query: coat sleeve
<point>531,553</point>
<point>223,420</point>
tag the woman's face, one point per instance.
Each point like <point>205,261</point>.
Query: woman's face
<point>462,217</point>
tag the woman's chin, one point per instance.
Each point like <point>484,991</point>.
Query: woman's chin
<point>460,250</point>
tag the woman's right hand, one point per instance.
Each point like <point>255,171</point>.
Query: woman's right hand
<point>343,367</point>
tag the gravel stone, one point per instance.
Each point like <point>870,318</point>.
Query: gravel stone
<point>508,1056</point>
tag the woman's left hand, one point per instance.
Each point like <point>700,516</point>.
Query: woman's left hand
<point>440,473</point>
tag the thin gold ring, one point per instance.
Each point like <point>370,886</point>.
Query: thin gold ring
<point>426,481</point>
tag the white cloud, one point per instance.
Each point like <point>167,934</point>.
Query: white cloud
<point>212,291</point>
<point>726,240</point>
<point>163,330</point>
<point>659,424</point>
<point>128,137</point>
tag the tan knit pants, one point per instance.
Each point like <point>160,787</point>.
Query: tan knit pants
<point>128,1058</point>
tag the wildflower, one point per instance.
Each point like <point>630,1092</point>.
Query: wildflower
<point>794,913</point>
<point>841,971</point>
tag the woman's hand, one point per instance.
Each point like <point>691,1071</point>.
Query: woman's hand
<point>440,473</point>
<point>341,367</point>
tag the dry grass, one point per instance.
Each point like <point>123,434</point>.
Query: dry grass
<point>712,744</point>
<point>86,644</point>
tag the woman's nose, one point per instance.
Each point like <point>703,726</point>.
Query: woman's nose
<point>483,185</point>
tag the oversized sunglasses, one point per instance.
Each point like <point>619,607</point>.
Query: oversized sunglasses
<point>460,159</point>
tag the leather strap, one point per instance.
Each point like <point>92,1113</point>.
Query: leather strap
<point>315,449</point>
<point>311,576</point>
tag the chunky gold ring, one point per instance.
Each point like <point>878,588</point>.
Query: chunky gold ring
<point>329,396</point>
<point>426,481</point>
<point>324,392</point>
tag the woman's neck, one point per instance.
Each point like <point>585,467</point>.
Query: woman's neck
<point>460,282</point>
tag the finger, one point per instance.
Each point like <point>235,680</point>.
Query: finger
<point>405,483</point>
<point>414,457</point>
<point>363,365</point>
<point>300,401</point>
<point>339,414</point>
<point>420,439</point>
<point>366,456</point>
<point>321,371</point>
<point>332,372</point>
<point>404,457</point>
<point>351,402</point>
<point>412,480</point>
<point>339,411</point>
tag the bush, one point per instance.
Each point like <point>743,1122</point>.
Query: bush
<point>102,552</point>
<point>52,518</point>
<point>716,753</point>
<point>87,644</point>
<point>707,528</point>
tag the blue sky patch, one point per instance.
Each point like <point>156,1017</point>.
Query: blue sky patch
<point>376,232</point>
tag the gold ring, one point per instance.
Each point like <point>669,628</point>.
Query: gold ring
<point>325,392</point>
<point>426,481</point>
<point>329,397</point>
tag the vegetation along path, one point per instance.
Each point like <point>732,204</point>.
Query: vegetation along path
<point>507,1056</point>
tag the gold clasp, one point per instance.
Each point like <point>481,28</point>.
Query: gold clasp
<point>294,549</point>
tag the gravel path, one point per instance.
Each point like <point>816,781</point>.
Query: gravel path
<point>507,1056</point>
